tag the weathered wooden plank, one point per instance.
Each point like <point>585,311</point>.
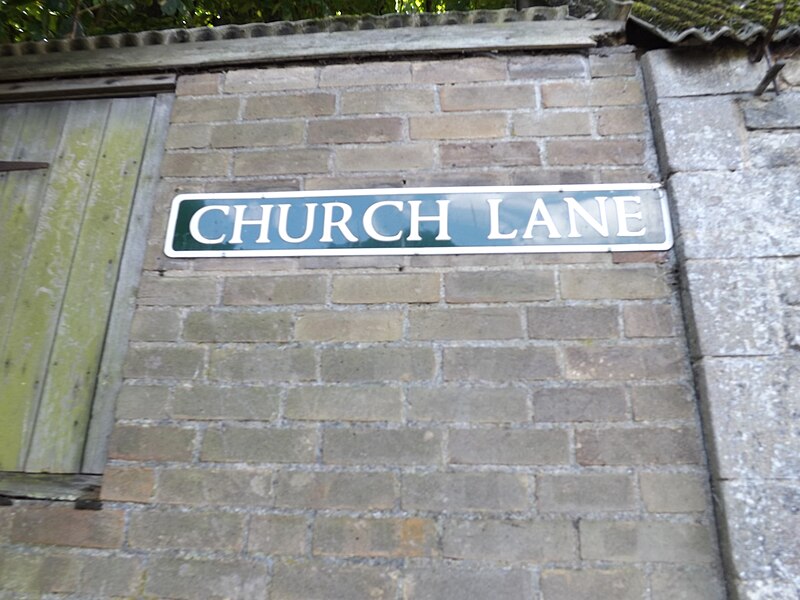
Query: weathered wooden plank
<point>11,120</point>
<point>24,360</point>
<point>96,87</point>
<point>65,406</point>
<point>21,165</point>
<point>50,487</point>
<point>109,380</point>
<point>347,45</point>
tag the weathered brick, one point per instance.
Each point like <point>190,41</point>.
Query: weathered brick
<point>260,290</point>
<point>375,289</point>
<point>499,286</point>
<point>251,135</point>
<point>204,110</point>
<point>142,402</point>
<point>505,154</point>
<point>321,490</point>
<point>297,580</point>
<point>111,576</point>
<point>209,487</point>
<point>487,97</point>
<point>281,162</point>
<point>648,320</point>
<point>177,291</point>
<point>381,447</point>
<point>473,492</point>
<point>572,322</point>
<point>50,525</point>
<point>639,446</point>
<point>129,442</point>
<point>587,492</point>
<point>377,73</point>
<point>464,324</point>
<point>458,71</point>
<point>613,64</point>
<point>237,444</point>
<point>183,579</point>
<point>579,404</point>
<point>510,541</point>
<point>384,158</point>
<point>278,535</point>
<point>625,362</point>
<point>345,326</point>
<point>262,364</point>
<point>588,584</point>
<point>552,124</point>
<point>359,130</point>
<point>37,574</point>
<point>646,541</point>
<point>207,531</point>
<point>208,402</point>
<point>673,492</point>
<point>565,94</point>
<point>290,105</point>
<point>621,121</point>
<point>386,537</point>
<point>164,362</point>
<point>240,326</point>
<point>156,325</point>
<point>457,127</point>
<point>339,403</point>
<point>550,66</point>
<point>199,84</point>
<point>653,402</point>
<point>467,404</point>
<point>595,152</point>
<point>686,583</point>
<point>128,484</point>
<point>508,447</point>
<point>641,282</point>
<point>269,80</point>
<point>389,101</point>
<point>500,364</point>
<point>442,581</point>
<point>194,135</point>
<point>195,164</point>
<point>378,364</point>
<point>616,91</point>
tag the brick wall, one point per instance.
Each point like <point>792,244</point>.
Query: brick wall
<point>381,427</point>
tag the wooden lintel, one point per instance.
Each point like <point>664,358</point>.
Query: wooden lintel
<point>95,87</point>
<point>21,165</point>
<point>48,486</point>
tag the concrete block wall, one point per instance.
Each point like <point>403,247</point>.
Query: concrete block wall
<point>731,160</point>
<point>396,427</point>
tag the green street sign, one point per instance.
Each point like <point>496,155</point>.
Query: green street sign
<point>464,220</point>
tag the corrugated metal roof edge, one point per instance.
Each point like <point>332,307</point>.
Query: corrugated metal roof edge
<point>705,36</point>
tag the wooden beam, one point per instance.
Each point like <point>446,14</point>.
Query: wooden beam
<point>97,87</point>
<point>50,487</point>
<point>21,165</point>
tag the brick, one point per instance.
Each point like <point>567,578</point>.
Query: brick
<point>338,403</point>
<point>281,162</point>
<point>646,541</point>
<point>552,124</point>
<point>378,364</point>
<point>565,94</point>
<point>37,574</point>
<point>474,583</point>
<point>621,121</point>
<point>635,283</point>
<point>588,584</point>
<point>613,64</point>
<point>208,403</point>
<point>200,84</point>
<point>508,447</point>
<point>388,101</point>
<point>653,402</point>
<point>551,66</point>
<point>50,525</point>
<point>457,127</point>
<point>488,154</point>
<point>142,402</point>
<point>625,362</point>
<point>351,131</point>
<point>183,579</point>
<point>499,286</point>
<point>195,164</point>
<point>376,289</point>
<point>595,152</point>
<point>572,322</point>
<point>189,136</point>
<point>262,364</point>
<point>377,73</point>
<point>213,487</point>
<point>648,320</point>
<point>471,492</point>
<point>278,535</point>
<point>468,404</point>
<point>386,537</point>
<point>579,405</point>
<point>510,541</point>
<point>175,291</point>
<point>343,326</point>
<point>270,80</point>
<point>290,105</point>
<point>164,362</point>
<point>261,290</point>
<point>686,583</point>
<point>163,443</point>
<point>616,91</point>
<point>321,490</point>
<point>585,493</point>
<point>204,110</point>
<point>487,97</point>
<point>241,326</point>
<point>465,324</point>
<point>500,364</point>
<point>111,576</point>
<point>384,158</point>
<point>459,71</point>
<point>156,325</point>
<point>381,447</point>
<point>127,484</point>
<point>673,492</point>
<point>251,135</point>
<point>237,444</point>
<point>298,580</point>
<point>640,446</point>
